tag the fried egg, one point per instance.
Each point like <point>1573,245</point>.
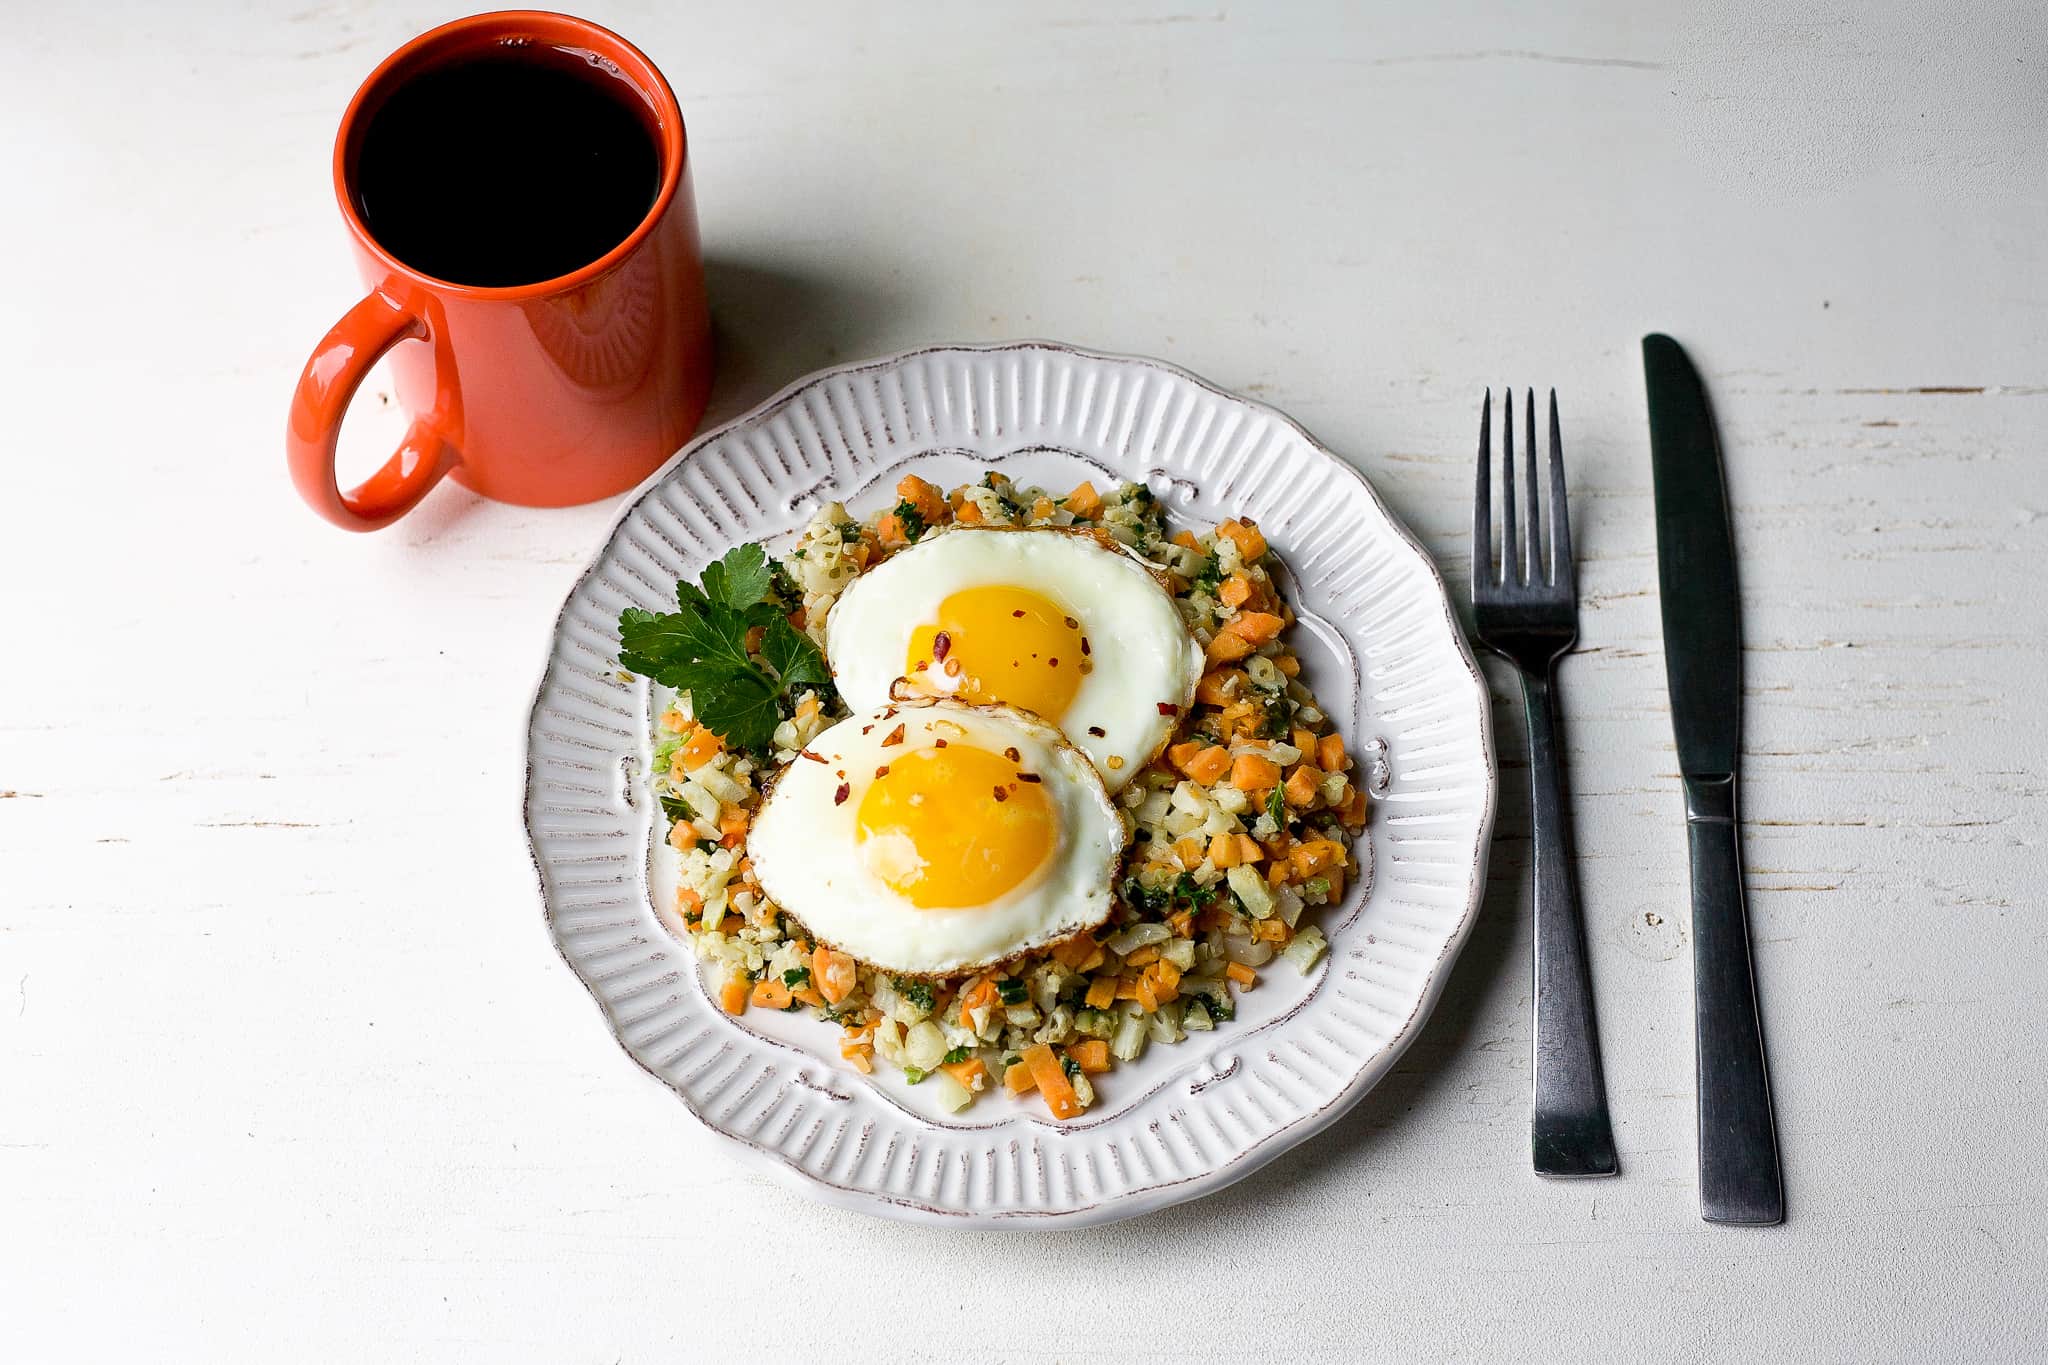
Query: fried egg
<point>933,837</point>
<point>1062,624</point>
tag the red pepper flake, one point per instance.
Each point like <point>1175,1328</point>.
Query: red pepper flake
<point>1018,612</point>
<point>1084,646</point>
<point>940,644</point>
<point>1072,624</point>
<point>1098,732</point>
<point>1167,708</point>
<point>1001,794</point>
<point>895,737</point>
<point>806,753</point>
<point>922,665</point>
<point>1052,663</point>
<point>1012,754</point>
<point>839,797</point>
<point>866,729</point>
<point>1029,777</point>
<point>938,744</point>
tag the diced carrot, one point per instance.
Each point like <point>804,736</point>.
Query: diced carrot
<point>732,996</point>
<point>1189,850</point>
<point>732,825</point>
<point>1052,1081</point>
<point>1182,922</point>
<point>1127,988</point>
<point>1041,509</point>
<point>1228,647</point>
<point>1279,872</point>
<point>928,500</point>
<point>1245,535</point>
<point>892,530</point>
<point>688,901</point>
<point>1311,856</point>
<point>1101,993</point>
<point>1305,740</point>
<point>1270,930</point>
<point>1288,665</point>
<point>832,973</point>
<point>1186,540</point>
<point>682,836</point>
<point>1142,992</point>
<point>1084,501</point>
<point>1255,626</point>
<point>755,635</point>
<point>979,992</point>
<point>968,513</point>
<point>1302,785</point>
<point>1208,766</point>
<point>970,1073</point>
<point>1223,851</point>
<point>807,708</point>
<point>1181,754</point>
<point>1335,877</point>
<point>1017,1078</point>
<point>771,994</point>
<point>1165,979</point>
<point>1091,1056</point>
<point>1140,957</point>
<point>809,995</point>
<point>700,748</point>
<point>1234,590</point>
<point>1244,976</point>
<point>1075,951</point>
<point>1254,773</point>
<point>1353,812</point>
<point>673,722</point>
<point>1330,753</point>
<point>1217,686</point>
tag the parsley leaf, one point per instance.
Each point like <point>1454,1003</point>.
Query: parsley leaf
<point>958,1054</point>
<point>912,519</point>
<point>918,993</point>
<point>701,648</point>
<point>1276,806</point>
<point>740,580</point>
<point>796,978</point>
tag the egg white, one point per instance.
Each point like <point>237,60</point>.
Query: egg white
<point>807,857</point>
<point>1142,654</point>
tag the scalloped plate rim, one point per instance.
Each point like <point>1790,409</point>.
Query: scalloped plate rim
<point>1146,1199</point>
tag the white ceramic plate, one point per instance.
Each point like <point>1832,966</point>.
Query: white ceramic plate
<point>1380,646</point>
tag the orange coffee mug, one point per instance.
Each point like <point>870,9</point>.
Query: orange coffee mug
<point>451,168</point>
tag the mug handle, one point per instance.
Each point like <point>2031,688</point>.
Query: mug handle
<point>331,378</point>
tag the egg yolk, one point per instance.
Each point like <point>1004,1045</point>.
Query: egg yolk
<point>954,827</point>
<point>1001,644</point>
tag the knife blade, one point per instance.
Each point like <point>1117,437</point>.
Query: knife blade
<point>1740,1180</point>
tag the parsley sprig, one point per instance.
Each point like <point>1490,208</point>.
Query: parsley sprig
<point>701,648</point>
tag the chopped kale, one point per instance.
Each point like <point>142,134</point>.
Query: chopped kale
<point>1012,991</point>
<point>918,993</point>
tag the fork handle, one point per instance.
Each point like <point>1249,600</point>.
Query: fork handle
<point>1570,1132</point>
<point>1739,1174</point>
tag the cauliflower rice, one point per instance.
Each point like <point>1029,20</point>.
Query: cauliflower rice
<point>1239,830</point>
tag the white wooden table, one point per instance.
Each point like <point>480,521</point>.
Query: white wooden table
<point>288,1068</point>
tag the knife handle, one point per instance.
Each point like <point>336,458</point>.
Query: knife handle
<point>1739,1177</point>
<point>1570,1133</point>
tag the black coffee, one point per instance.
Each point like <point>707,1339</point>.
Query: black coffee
<point>507,169</point>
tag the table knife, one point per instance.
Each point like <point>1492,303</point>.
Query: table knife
<point>1738,1138</point>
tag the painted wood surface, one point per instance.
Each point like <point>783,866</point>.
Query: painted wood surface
<point>287,1066</point>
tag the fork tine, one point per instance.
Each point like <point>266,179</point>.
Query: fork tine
<point>1482,507</point>
<point>1534,574</point>
<point>1561,567</point>
<point>1510,561</point>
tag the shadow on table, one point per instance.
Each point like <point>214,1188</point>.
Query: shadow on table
<point>774,323</point>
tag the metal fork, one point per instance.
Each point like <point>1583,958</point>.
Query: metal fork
<point>1527,611</point>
